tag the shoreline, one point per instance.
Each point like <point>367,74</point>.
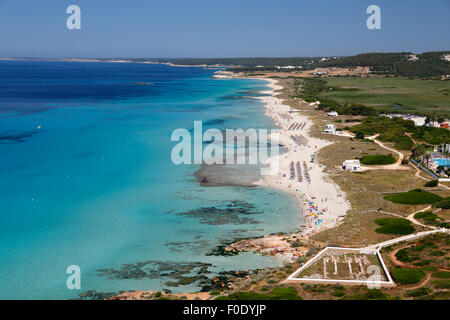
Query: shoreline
<point>320,188</point>
<point>322,204</point>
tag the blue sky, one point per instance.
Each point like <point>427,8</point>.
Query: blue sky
<point>227,28</point>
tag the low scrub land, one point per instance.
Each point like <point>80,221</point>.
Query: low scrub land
<point>421,267</point>
<point>407,276</point>
<point>433,219</point>
<point>416,196</point>
<point>443,204</point>
<point>377,159</point>
<point>391,94</point>
<point>431,183</point>
<point>276,294</point>
<point>394,226</point>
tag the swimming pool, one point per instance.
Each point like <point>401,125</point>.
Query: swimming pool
<point>442,162</point>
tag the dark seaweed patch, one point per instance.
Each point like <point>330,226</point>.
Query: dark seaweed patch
<point>236,213</point>
<point>214,122</point>
<point>95,295</point>
<point>178,273</point>
<point>193,246</point>
<point>14,136</point>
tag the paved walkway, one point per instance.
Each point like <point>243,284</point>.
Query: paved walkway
<point>408,237</point>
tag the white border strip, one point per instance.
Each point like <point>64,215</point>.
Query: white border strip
<point>321,253</point>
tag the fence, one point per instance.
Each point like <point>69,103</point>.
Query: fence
<point>425,169</point>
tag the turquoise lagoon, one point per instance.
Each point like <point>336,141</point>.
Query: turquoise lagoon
<point>86,176</point>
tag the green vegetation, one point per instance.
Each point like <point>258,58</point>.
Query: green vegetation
<point>426,216</point>
<point>276,294</point>
<point>428,64</point>
<point>311,89</point>
<point>429,254</point>
<point>431,135</point>
<point>394,226</point>
<point>417,292</point>
<point>403,143</point>
<point>403,256</point>
<point>442,274</point>
<point>247,63</point>
<point>417,196</point>
<point>370,96</point>
<point>443,204</point>
<point>391,94</point>
<point>407,276</point>
<point>373,294</point>
<point>431,183</point>
<point>431,218</point>
<point>389,130</point>
<point>377,159</point>
<point>357,109</point>
<point>442,284</point>
<point>338,293</point>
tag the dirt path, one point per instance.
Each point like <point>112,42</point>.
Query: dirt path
<point>395,166</point>
<point>418,172</point>
<point>424,282</point>
<point>394,258</point>
<point>413,220</point>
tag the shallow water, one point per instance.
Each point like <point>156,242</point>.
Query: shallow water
<point>87,178</point>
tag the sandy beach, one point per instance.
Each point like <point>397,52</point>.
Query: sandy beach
<point>321,203</point>
<point>326,198</point>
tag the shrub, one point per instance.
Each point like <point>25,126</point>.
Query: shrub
<point>352,120</point>
<point>403,256</point>
<point>426,216</point>
<point>276,294</point>
<point>442,274</point>
<point>437,253</point>
<point>443,204</point>
<point>377,159</point>
<point>404,143</point>
<point>442,284</point>
<point>245,296</point>
<point>373,294</point>
<point>417,292</point>
<point>394,226</point>
<point>312,251</point>
<point>338,293</point>
<point>432,183</point>
<point>296,244</point>
<point>414,197</point>
<point>359,135</point>
<point>357,109</point>
<point>407,276</point>
<point>285,294</point>
<point>428,268</point>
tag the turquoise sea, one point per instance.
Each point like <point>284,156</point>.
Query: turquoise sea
<point>86,178</point>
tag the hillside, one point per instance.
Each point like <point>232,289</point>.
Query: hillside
<point>404,64</point>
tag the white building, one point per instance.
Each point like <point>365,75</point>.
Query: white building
<point>329,129</point>
<point>351,165</point>
<point>332,114</point>
<point>418,120</point>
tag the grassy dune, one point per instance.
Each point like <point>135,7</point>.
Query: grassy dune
<point>382,93</point>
